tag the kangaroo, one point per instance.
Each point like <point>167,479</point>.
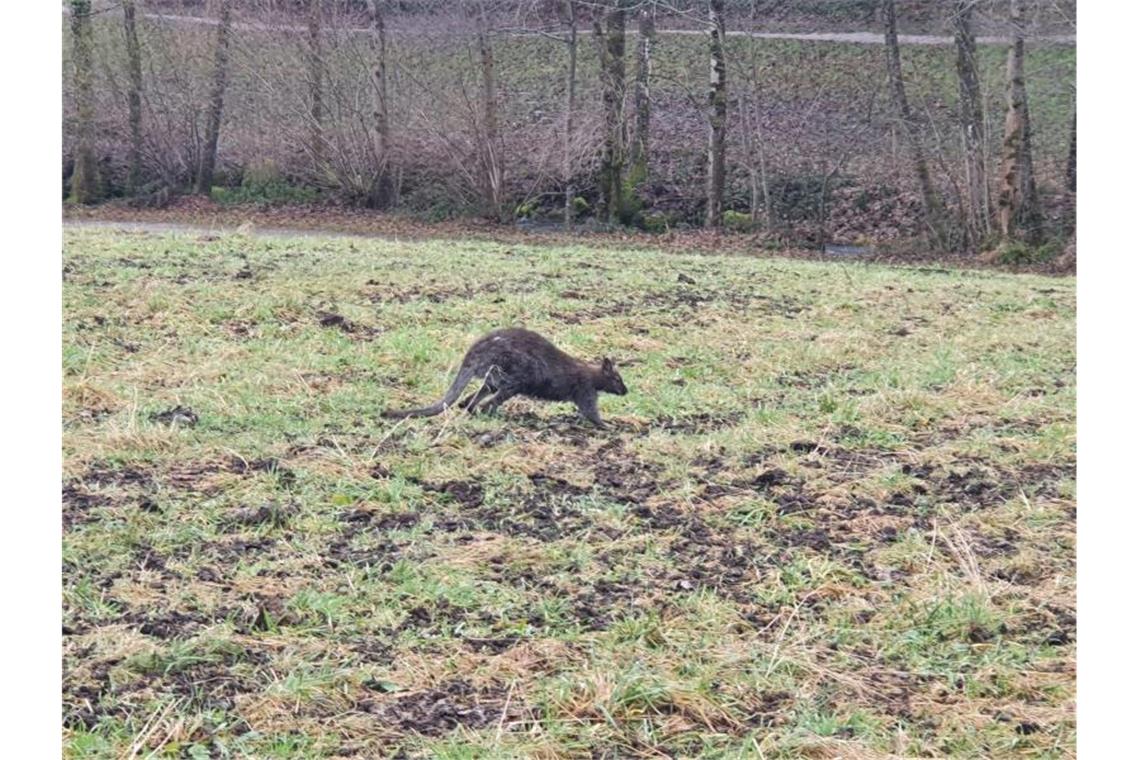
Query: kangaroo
<point>515,361</point>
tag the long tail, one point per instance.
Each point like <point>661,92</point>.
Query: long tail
<point>461,380</point>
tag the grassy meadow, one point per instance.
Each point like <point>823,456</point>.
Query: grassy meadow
<point>834,517</point>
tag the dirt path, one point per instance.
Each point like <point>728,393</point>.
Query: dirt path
<point>854,38</point>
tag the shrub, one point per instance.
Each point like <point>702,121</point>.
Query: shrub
<point>796,197</point>
<point>738,221</point>
<point>263,183</point>
<point>1019,253</point>
<point>261,174</point>
<point>271,195</point>
<point>656,222</point>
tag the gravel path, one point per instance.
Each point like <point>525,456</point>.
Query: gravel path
<point>855,38</point>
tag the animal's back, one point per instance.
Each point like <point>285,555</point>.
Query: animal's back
<point>527,363</point>
<point>514,344</point>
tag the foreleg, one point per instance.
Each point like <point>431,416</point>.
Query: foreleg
<point>588,408</point>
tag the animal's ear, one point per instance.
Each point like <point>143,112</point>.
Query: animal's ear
<point>607,364</point>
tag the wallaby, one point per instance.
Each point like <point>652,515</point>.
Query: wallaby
<point>516,361</point>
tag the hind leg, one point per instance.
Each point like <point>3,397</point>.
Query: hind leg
<point>492,405</point>
<point>468,404</point>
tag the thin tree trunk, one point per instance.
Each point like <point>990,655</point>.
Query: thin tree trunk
<point>571,86</point>
<point>752,148</point>
<point>381,193</point>
<point>750,121</point>
<point>1071,164</point>
<point>769,210</point>
<point>613,96</point>
<point>85,185</point>
<point>316,88</point>
<point>1018,210</point>
<point>932,204</point>
<point>217,101</point>
<point>718,117</point>
<point>492,160</point>
<point>972,126</point>
<point>754,137</point>
<point>639,152</point>
<point>134,96</point>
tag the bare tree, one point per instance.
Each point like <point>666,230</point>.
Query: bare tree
<point>1070,220</point>
<point>315,65</point>
<point>134,96</point>
<point>85,185</point>
<point>380,195</point>
<point>639,151</point>
<point>972,126</point>
<point>1071,161</point>
<point>571,86</point>
<point>612,42</point>
<point>718,117</point>
<point>754,140</point>
<point>217,100</point>
<point>490,153</point>
<point>931,202</point>
<point>1019,213</point>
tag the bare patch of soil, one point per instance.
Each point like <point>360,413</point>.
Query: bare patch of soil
<point>443,708</point>
<point>271,514</point>
<point>270,466</point>
<point>467,493</point>
<point>332,320</point>
<point>545,511</point>
<point>696,424</point>
<point>78,503</point>
<point>181,416</point>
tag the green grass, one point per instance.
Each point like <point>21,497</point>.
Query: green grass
<point>834,515</point>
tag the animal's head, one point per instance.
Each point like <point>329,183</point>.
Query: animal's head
<point>611,380</point>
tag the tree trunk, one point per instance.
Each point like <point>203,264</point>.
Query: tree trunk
<point>134,96</point>
<point>380,195</point>
<point>718,117</point>
<point>613,96</point>
<point>85,185</point>
<point>571,85</point>
<point>316,89</point>
<point>639,152</point>
<point>1070,215</point>
<point>1071,164</point>
<point>491,158</point>
<point>932,204</point>
<point>217,100</point>
<point>972,126</point>
<point>1018,211</point>
<point>754,136</point>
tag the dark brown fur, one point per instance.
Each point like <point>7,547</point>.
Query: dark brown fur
<point>520,362</point>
